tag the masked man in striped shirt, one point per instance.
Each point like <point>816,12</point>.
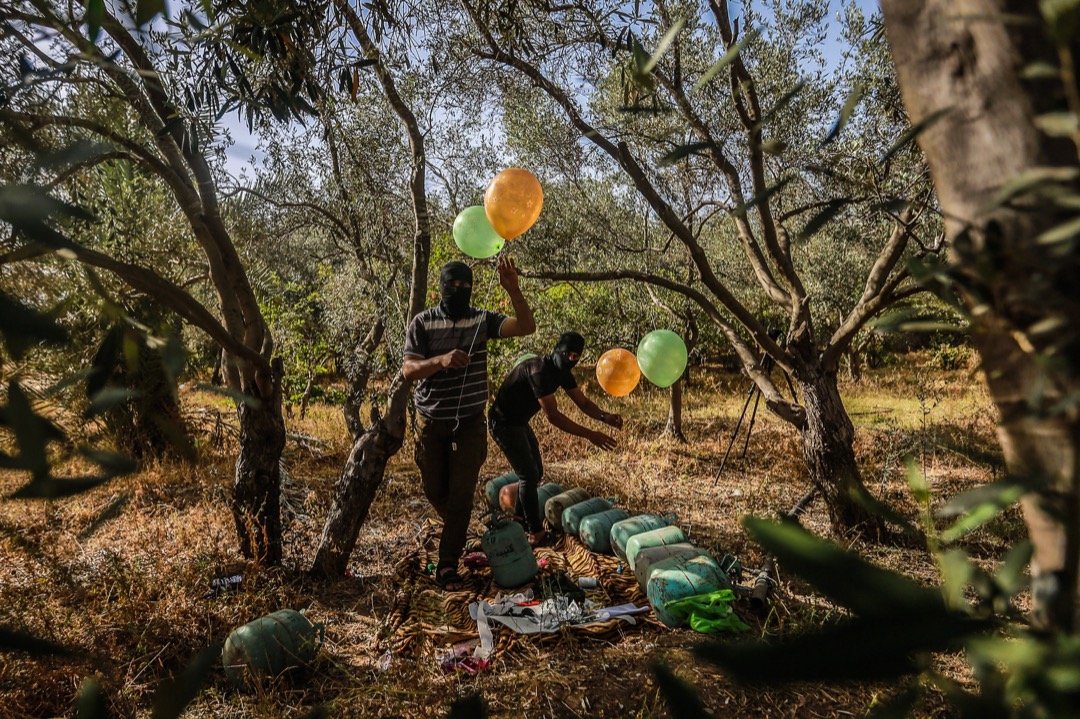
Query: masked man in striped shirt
<point>446,355</point>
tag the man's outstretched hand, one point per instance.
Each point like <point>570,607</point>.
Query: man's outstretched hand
<point>508,274</point>
<point>602,440</point>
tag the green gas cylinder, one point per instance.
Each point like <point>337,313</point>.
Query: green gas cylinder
<point>652,538</point>
<point>650,556</point>
<point>507,548</point>
<point>270,645</point>
<point>553,509</point>
<point>595,530</point>
<point>622,531</point>
<point>491,490</point>
<point>545,492</point>
<point>572,515</point>
<point>681,577</point>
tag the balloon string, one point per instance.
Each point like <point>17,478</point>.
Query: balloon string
<point>472,343</point>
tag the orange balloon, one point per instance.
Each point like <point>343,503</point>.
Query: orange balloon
<point>513,201</point>
<point>618,372</point>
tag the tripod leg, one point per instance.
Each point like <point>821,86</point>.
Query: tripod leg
<point>750,427</point>
<point>734,432</point>
<point>791,386</point>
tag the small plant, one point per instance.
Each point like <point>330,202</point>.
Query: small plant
<point>950,357</point>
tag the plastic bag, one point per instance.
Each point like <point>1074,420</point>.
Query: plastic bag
<point>708,613</point>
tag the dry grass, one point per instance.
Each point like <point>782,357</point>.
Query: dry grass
<point>131,593</point>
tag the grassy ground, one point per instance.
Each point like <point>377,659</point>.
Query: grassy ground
<point>129,589</point>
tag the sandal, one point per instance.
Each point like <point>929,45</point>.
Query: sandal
<point>539,539</point>
<point>448,579</point>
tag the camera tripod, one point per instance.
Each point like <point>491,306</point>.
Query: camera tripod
<point>753,393</point>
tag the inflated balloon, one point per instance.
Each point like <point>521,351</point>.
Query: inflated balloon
<point>661,355</point>
<point>522,358</point>
<point>618,372</point>
<point>513,201</point>
<point>474,235</point>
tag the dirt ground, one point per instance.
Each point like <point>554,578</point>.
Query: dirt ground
<point>122,572</point>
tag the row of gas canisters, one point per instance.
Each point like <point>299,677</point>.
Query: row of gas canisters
<point>665,564</point>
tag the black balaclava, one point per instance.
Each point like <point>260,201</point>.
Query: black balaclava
<point>455,300</point>
<point>568,342</point>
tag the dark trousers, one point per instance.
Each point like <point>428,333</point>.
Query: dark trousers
<point>518,443</point>
<point>449,476</point>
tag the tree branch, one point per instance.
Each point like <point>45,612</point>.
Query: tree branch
<point>746,233</point>
<point>417,178</point>
<point>622,155</point>
<point>280,203</point>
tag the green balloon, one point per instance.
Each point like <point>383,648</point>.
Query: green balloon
<point>474,235</point>
<point>661,355</point>
<point>522,358</point>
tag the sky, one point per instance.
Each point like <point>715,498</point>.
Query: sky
<point>239,156</point>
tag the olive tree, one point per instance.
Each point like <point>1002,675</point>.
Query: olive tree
<point>170,90</point>
<point>708,81</point>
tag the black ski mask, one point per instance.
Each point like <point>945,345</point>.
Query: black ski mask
<point>455,299</point>
<point>568,342</point>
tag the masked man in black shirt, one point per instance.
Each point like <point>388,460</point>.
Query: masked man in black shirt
<point>530,387</point>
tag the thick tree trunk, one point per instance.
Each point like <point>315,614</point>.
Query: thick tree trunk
<point>674,418</point>
<point>827,440</point>
<point>359,481</point>
<point>971,64</point>
<point>257,483</point>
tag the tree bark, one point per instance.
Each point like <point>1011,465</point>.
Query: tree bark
<point>970,64</point>
<point>674,417</point>
<point>827,443</point>
<point>257,482</point>
<point>358,483</point>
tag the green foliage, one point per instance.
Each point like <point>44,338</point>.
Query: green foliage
<point>33,435</point>
<point>950,357</point>
<point>295,313</point>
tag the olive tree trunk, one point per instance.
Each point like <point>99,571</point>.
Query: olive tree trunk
<point>366,466</point>
<point>965,67</point>
<point>257,481</point>
<point>359,482</point>
<point>827,445</point>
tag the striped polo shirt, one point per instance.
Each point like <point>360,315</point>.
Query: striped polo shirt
<point>453,393</point>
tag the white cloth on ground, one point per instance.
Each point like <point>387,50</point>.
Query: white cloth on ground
<point>547,616</point>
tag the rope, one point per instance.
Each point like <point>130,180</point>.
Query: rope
<point>472,343</point>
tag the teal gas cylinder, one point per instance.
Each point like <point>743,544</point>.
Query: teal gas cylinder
<point>270,645</point>
<point>545,492</point>
<point>681,577</point>
<point>622,531</point>
<point>491,490</point>
<point>650,556</point>
<point>595,530</point>
<point>652,538</point>
<point>572,515</point>
<point>509,555</point>
<point>553,509</point>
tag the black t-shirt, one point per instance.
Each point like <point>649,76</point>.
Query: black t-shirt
<point>518,398</point>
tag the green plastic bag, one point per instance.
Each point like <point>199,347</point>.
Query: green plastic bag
<point>708,613</point>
